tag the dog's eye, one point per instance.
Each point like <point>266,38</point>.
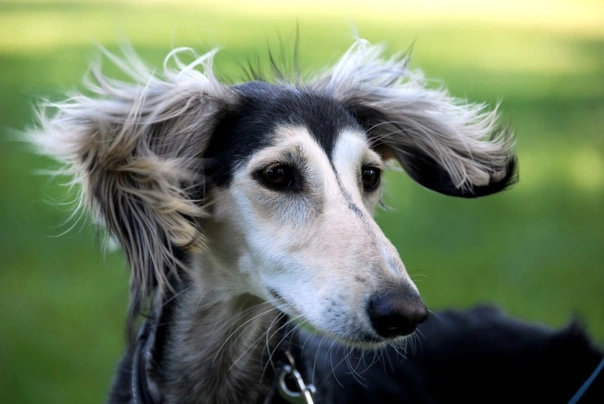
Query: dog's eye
<point>278,176</point>
<point>370,178</point>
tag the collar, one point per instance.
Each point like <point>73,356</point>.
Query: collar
<point>290,377</point>
<point>142,389</point>
<point>289,384</point>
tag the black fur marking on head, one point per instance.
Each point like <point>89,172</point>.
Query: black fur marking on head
<point>348,198</point>
<point>262,108</point>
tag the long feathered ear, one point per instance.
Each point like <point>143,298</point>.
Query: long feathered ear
<point>444,144</point>
<point>136,150</point>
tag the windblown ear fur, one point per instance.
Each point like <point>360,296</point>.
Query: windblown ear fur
<point>444,144</point>
<point>136,150</point>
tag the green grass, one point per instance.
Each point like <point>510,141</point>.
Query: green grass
<point>537,250</point>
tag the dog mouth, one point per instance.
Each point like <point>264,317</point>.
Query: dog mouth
<point>361,340</point>
<point>357,337</point>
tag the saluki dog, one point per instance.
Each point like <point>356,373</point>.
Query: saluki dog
<point>258,273</point>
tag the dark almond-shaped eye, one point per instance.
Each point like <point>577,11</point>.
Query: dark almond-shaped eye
<point>370,178</point>
<point>277,176</point>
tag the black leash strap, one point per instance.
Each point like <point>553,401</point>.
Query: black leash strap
<point>575,399</point>
<point>139,387</point>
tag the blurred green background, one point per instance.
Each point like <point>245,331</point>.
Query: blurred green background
<point>537,250</point>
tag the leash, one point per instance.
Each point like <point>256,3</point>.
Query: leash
<point>140,389</point>
<point>302,393</point>
<point>587,383</point>
<point>288,380</point>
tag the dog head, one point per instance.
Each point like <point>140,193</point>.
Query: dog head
<point>269,189</point>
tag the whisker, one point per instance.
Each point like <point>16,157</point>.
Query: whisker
<point>234,332</point>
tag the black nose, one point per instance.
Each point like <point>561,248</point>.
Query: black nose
<point>396,312</point>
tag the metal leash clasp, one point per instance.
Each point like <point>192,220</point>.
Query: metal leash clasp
<point>305,392</point>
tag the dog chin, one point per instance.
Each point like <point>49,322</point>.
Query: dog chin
<point>370,343</point>
<point>362,340</point>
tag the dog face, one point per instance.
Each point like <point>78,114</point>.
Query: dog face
<point>292,215</point>
<point>269,189</point>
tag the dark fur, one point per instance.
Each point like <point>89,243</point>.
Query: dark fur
<point>474,356</point>
<point>480,355</point>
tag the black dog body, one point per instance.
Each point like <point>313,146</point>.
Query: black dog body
<point>474,356</point>
<point>479,355</point>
